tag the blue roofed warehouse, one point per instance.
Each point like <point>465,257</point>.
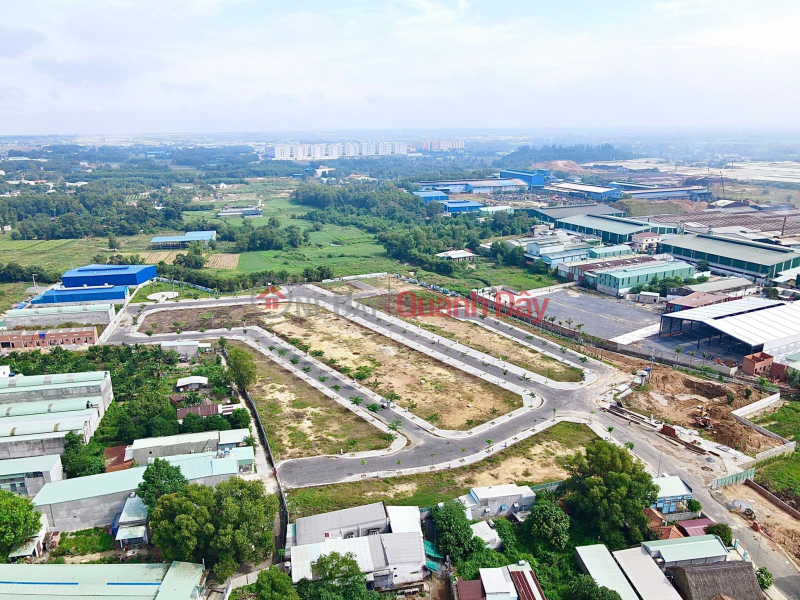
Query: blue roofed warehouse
<point>98,275</point>
<point>114,294</point>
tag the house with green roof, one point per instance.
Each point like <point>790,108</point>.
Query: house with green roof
<point>131,581</point>
<point>95,500</point>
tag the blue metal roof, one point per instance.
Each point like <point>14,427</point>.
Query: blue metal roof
<point>430,194</point>
<point>106,270</point>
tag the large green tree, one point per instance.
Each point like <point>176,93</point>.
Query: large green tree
<point>273,584</point>
<point>337,577</point>
<point>78,459</point>
<point>225,525</point>
<point>241,367</point>
<point>454,537</point>
<point>608,490</point>
<point>547,525</point>
<point>160,478</point>
<point>18,522</point>
<point>585,588</point>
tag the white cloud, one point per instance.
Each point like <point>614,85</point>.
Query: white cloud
<point>223,65</point>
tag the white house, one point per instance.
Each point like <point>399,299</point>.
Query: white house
<point>486,534</point>
<point>194,382</point>
<point>497,500</point>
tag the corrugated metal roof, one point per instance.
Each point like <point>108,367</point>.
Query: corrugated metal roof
<point>193,466</point>
<point>560,212</point>
<point>303,556</point>
<point>134,532</point>
<point>189,236</point>
<point>493,581</point>
<point>404,519</point>
<point>313,529</point>
<point>26,382</point>
<point>645,576</point>
<point>695,527</point>
<point>56,310</point>
<point>18,409</point>
<point>670,486</point>
<point>689,548</point>
<point>134,510</point>
<point>606,223</point>
<point>645,268</point>
<point>754,321</point>
<point>601,566</point>
<point>96,269</point>
<point>13,466</point>
<point>753,252</point>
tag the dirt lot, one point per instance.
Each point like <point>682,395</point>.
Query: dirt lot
<point>539,459</point>
<point>674,397</point>
<point>447,397</point>
<point>485,341</point>
<point>199,319</point>
<point>223,261</point>
<point>301,421</point>
<point>777,525</point>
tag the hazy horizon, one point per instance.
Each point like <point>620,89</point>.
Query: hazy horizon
<point>227,66</point>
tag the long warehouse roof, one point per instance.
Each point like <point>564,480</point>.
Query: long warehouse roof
<point>607,223</point>
<point>752,252</point>
<point>647,579</point>
<point>601,566</point>
<point>754,321</point>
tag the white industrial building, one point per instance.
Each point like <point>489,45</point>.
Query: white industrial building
<point>644,575</point>
<point>596,561</point>
<point>338,150</point>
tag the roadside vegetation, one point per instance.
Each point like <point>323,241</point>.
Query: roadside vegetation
<point>536,460</point>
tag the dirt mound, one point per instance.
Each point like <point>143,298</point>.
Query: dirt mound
<point>671,382</point>
<point>560,165</point>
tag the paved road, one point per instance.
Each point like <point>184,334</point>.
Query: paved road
<point>423,443</point>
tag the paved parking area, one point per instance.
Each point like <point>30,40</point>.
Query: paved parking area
<point>602,316</point>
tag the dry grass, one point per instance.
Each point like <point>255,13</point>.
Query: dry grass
<point>301,421</point>
<point>223,261</point>
<point>443,395</point>
<point>153,258</point>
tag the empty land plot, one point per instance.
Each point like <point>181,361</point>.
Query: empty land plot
<point>538,459</point>
<point>223,261</point>
<point>443,395</point>
<point>201,319</point>
<point>484,340</point>
<point>301,421</point>
<point>153,258</point>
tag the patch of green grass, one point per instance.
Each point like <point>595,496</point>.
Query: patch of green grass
<point>426,489</point>
<point>86,541</point>
<point>158,286</point>
<point>781,475</point>
<point>785,421</point>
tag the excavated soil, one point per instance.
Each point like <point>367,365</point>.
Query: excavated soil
<point>673,397</point>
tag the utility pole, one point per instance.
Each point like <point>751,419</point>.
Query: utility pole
<point>35,287</point>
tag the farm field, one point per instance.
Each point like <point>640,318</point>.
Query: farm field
<point>301,421</point>
<point>223,261</point>
<point>538,459</point>
<point>781,476</point>
<point>444,396</point>
<point>480,338</point>
<point>785,421</point>
<point>347,250</point>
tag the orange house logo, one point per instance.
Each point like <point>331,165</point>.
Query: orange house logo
<point>272,297</point>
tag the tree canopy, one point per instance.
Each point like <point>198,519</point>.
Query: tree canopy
<point>338,578</point>
<point>454,537</point>
<point>226,525</point>
<point>18,521</point>
<point>548,525</point>
<point>241,367</point>
<point>608,490</point>
<point>78,459</point>
<point>160,478</point>
<point>273,584</point>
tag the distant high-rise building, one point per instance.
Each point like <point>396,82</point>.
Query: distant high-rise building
<point>334,151</point>
<point>443,145</point>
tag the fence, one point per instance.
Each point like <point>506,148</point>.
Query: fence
<point>733,479</point>
<point>549,487</point>
<point>755,407</point>
<point>772,498</point>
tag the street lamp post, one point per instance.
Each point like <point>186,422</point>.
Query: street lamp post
<point>35,287</point>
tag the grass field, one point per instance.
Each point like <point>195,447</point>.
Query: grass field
<point>347,250</point>
<point>86,541</point>
<point>537,455</point>
<point>785,421</point>
<point>187,292</point>
<point>781,476</point>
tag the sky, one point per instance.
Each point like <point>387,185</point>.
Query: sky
<point>193,66</point>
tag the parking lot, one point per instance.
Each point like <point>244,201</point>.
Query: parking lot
<point>602,316</point>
